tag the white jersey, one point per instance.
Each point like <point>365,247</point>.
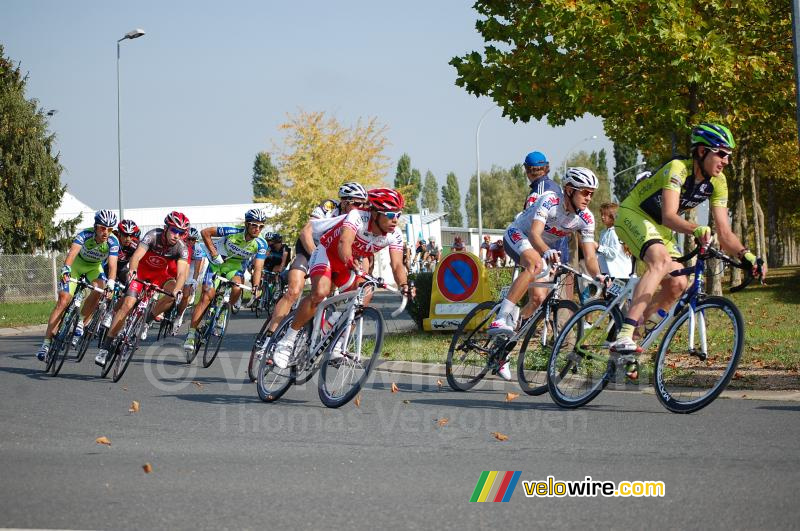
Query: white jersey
<point>549,209</point>
<point>366,243</point>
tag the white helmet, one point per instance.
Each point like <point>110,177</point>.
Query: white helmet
<point>580,178</point>
<point>352,190</point>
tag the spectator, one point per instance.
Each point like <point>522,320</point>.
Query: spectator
<point>458,244</point>
<point>484,250</point>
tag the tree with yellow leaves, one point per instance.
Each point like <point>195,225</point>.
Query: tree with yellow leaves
<point>318,155</point>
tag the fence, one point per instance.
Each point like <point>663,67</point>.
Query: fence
<point>29,278</point>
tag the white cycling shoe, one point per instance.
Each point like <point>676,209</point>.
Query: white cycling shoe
<point>504,371</point>
<point>283,353</point>
<point>502,325</point>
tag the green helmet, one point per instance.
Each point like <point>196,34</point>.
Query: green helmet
<point>712,135</point>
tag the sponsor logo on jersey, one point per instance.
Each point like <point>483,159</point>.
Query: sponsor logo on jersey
<point>514,235</point>
<point>551,202</point>
<point>93,255</point>
<point>555,231</point>
<point>586,217</point>
<point>236,250</point>
<point>155,260</point>
<point>328,206</point>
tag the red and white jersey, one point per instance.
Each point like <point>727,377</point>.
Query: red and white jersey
<point>549,209</point>
<point>366,243</point>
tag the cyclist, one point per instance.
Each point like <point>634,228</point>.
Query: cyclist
<point>485,248</point>
<point>278,253</point>
<point>85,257</point>
<point>651,214</point>
<point>432,252</point>
<point>533,238</point>
<point>344,242</point>
<point>351,195</point>
<point>197,266</point>
<point>128,234</point>
<point>240,245</point>
<point>151,263</point>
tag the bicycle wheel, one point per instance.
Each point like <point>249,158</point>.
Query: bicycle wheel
<point>688,376</point>
<point>89,333</point>
<point>65,332</point>
<point>258,345</point>
<point>580,364</point>
<point>214,337</point>
<point>468,357</point>
<point>537,346</point>
<point>343,374</point>
<point>128,344</point>
<point>110,360</point>
<point>272,381</point>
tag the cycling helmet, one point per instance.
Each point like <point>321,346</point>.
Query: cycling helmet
<point>352,190</point>
<point>194,234</point>
<point>255,214</point>
<point>129,228</point>
<point>276,237</point>
<point>177,219</point>
<point>386,199</point>
<point>105,217</point>
<point>536,158</point>
<point>580,178</point>
<point>712,135</point>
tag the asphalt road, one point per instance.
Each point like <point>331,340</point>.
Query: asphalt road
<point>221,459</point>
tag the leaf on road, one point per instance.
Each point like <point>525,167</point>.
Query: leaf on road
<point>198,384</point>
<point>406,401</point>
<point>744,396</point>
<point>439,383</point>
<point>442,422</point>
<point>394,387</point>
<point>124,387</point>
<point>147,467</point>
<point>500,436</point>
<point>511,396</point>
<point>103,440</point>
<point>134,407</point>
<point>357,401</point>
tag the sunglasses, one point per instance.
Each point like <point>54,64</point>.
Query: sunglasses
<point>720,153</point>
<point>391,215</point>
<point>179,232</point>
<point>355,203</point>
<point>258,225</point>
<point>585,192</point>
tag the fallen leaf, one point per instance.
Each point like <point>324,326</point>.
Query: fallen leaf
<point>134,407</point>
<point>198,384</point>
<point>744,396</point>
<point>737,375</point>
<point>124,387</point>
<point>406,401</point>
<point>147,467</point>
<point>394,387</point>
<point>511,396</point>
<point>103,440</point>
<point>357,401</point>
<point>442,422</point>
<point>439,383</point>
<point>500,436</point>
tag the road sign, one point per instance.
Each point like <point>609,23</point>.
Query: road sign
<point>459,283</point>
<point>457,277</point>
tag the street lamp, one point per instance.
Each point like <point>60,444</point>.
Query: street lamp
<point>51,112</point>
<point>628,169</point>
<point>133,34</point>
<point>566,157</point>
<point>478,172</point>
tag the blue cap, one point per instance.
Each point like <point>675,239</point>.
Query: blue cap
<point>536,158</point>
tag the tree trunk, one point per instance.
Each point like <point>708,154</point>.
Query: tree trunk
<point>758,215</point>
<point>775,252</point>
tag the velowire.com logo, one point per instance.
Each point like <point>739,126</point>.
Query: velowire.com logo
<point>494,486</point>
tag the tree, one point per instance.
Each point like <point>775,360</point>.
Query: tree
<point>503,194</point>
<point>430,193</point>
<point>407,181</point>
<point>30,173</point>
<point>595,161</point>
<point>451,200</point>
<point>266,182</point>
<point>318,154</point>
<point>625,156</point>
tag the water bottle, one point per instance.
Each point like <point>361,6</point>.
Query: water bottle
<point>330,322</point>
<point>654,319</point>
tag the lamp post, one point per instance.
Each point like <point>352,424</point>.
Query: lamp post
<point>628,169</point>
<point>133,34</point>
<point>566,157</point>
<point>478,173</point>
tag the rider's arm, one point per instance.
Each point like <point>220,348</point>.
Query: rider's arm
<point>307,238</point>
<point>112,267</point>
<point>74,249</point>
<point>137,255</point>
<point>207,234</point>
<point>346,240</point>
<point>537,228</point>
<point>199,268</point>
<point>284,260</point>
<point>590,256</point>
<point>258,267</point>
<point>183,272</point>
<point>669,213</point>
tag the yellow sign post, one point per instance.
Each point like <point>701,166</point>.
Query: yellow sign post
<point>460,283</point>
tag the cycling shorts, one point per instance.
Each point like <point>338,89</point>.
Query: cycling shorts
<point>515,243</point>
<point>639,231</point>
<point>92,270</point>
<point>301,257</point>
<point>158,276</point>
<point>323,265</point>
<point>226,269</point>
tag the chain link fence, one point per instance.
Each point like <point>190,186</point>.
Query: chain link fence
<point>29,278</point>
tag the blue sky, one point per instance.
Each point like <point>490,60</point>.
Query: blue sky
<point>208,85</point>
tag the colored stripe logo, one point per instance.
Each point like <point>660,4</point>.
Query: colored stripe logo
<point>494,486</point>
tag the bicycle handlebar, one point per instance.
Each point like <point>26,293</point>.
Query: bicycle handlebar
<point>231,282</point>
<point>706,250</point>
<point>87,284</point>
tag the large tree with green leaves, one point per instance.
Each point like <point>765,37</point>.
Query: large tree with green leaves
<point>451,201</point>
<point>265,181</point>
<point>430,193</point>
<point>503,193</point>
<point>30,172</point>
<point>409,182</point>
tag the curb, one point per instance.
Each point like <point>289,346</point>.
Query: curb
<point>437,370</point>
<point>20,330</point>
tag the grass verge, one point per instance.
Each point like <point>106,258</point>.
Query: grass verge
<point>22,314</point>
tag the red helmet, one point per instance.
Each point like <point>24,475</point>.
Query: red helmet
<point>386,199</point>
<point>178,220</point>
<point>128,227</point>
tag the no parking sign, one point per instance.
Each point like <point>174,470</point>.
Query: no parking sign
<point>459,284</point>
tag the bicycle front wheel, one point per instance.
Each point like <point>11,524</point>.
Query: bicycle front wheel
<point>537,346</point>
<point>350,358</point>
<point>468,358</point>
<point>214,337</point>
<point>128,344</point>
<point>580,365</point>
<point>89,333</point>
<point>62,341</point>
<point>699,355</point>
<point>272,381</point>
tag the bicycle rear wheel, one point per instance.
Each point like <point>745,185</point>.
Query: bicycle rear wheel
<point>580,364</point>
<point>468,357</point>
<point>688,378</point>
<point>89,333</point>
<point>343,373</point>
<point>537,346</point>
<point>215,335</point>
<point>258,345</point>
<point>272,381</point>
<point>128,344</point>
